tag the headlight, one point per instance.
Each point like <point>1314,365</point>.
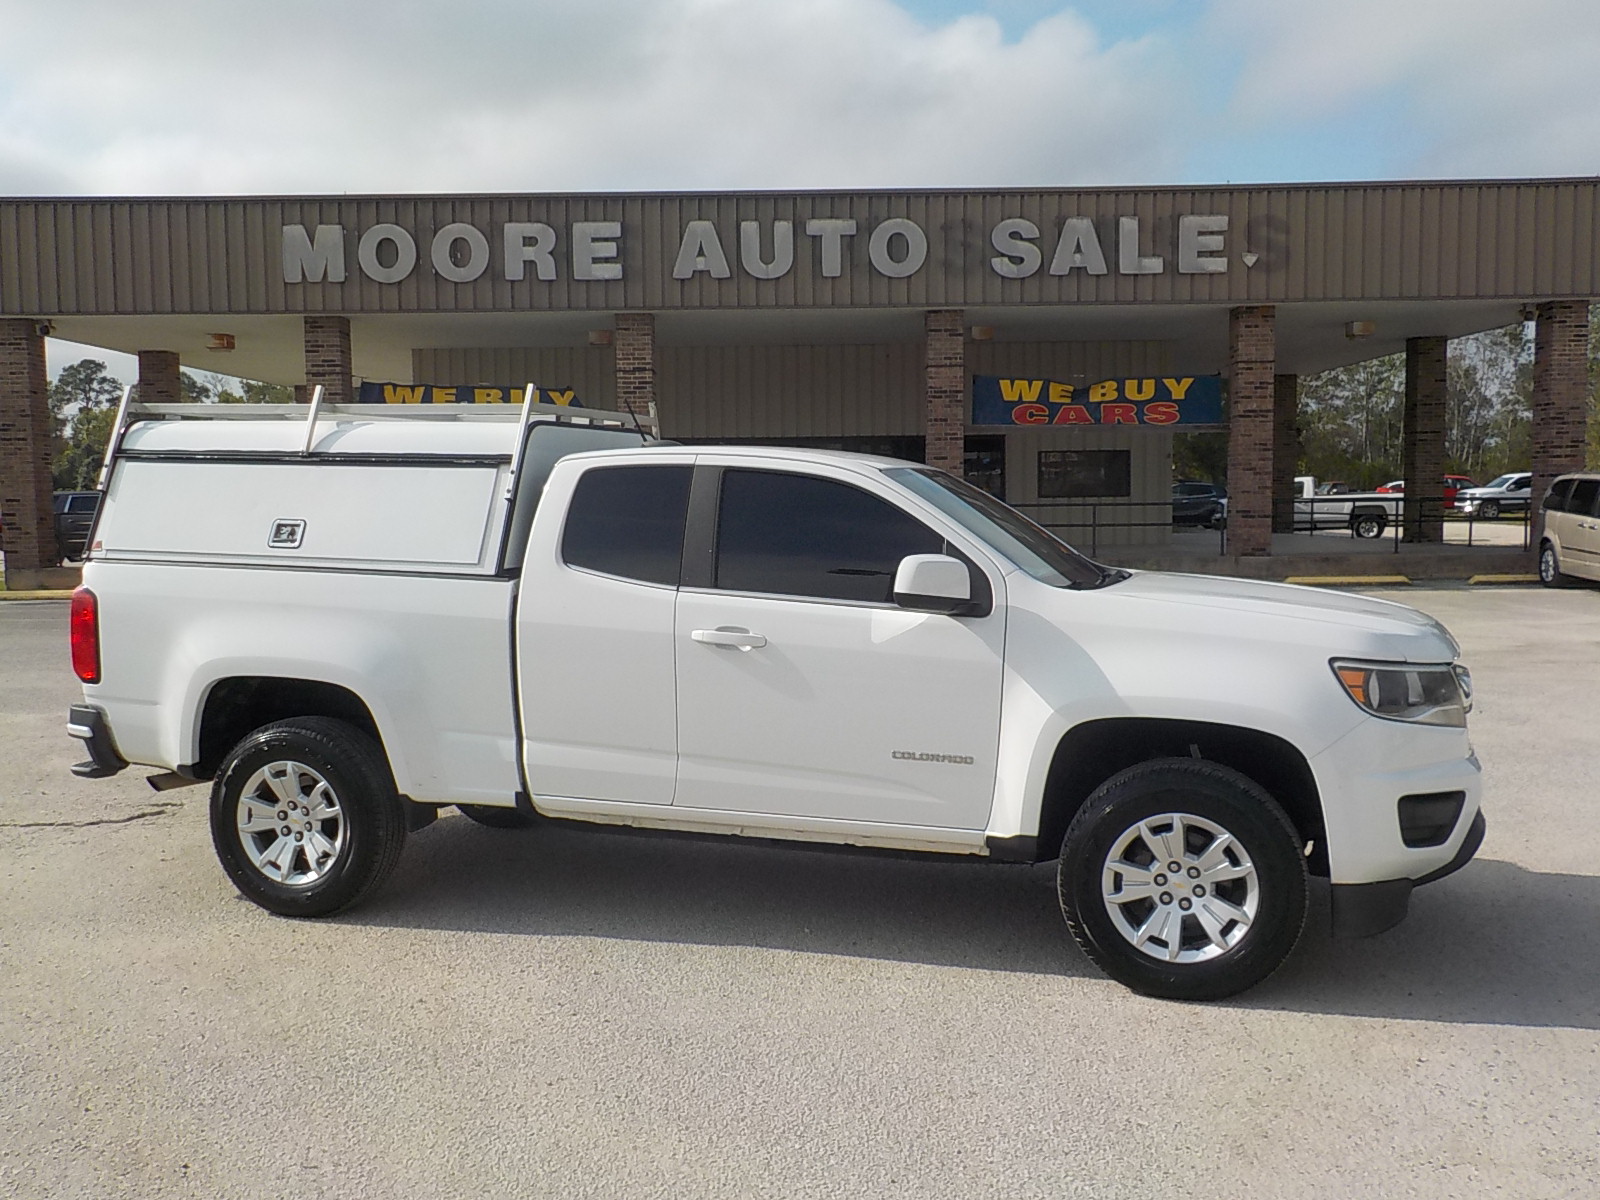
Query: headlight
<point>1434,695</point>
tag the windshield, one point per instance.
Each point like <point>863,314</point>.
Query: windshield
<point>1501,482</point>
<point>1004,530</point>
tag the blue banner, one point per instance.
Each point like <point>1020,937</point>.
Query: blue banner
<point>1184,400</point>
<point>427,393</point>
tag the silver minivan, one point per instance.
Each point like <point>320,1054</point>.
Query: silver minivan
<point>1569,546</point>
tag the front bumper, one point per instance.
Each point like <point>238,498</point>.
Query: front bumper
<point>1363,909</point>
<point>89,726</point>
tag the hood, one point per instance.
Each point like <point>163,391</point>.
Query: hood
<point>1381,628</point>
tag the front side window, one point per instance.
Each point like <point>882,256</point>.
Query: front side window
<point>801,535</point>
<point>628,521</point>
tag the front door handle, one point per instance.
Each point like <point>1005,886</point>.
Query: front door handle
<point>729,638</point>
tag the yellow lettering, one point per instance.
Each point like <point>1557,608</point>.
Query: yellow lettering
<point>488,396</point>
<point>443,396</point>
<point>1014,390</point>
<point>1178,387</point>
<point>1060,393</point>
<point>394,393</point>
<point>1139,389</point>
<point>1105,390</point>
<point>561,397</point>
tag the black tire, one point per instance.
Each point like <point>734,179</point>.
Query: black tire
<point>367,828</point>
<point>498,818</point>
<point>1550,573</point>
<point>1368,525</point>
<point>1489,510</point>
<point>1208,794</point>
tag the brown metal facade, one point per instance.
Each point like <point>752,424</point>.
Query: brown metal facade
<point>1524,240</point>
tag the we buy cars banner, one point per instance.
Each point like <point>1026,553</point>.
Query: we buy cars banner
<point>1158,400</point>
<point>428,393</point>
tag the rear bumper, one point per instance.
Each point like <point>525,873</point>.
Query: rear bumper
<point>1363,909</point>
<point>89,726</point>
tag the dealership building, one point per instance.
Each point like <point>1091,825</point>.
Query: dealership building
<point>1049,343</point>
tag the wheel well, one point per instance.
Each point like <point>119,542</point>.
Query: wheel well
<point>236,706</point>
<point>1091,753</point>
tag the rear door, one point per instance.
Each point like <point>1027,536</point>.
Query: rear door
<point>803,690</point>
<point>594,650</point>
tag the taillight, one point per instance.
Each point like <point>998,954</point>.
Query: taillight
<point>85,624</point>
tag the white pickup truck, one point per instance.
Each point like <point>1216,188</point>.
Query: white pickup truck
<point>1364,514</point>
<point>351,619</point>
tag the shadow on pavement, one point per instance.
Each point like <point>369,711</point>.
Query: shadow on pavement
<point>1493,944</point>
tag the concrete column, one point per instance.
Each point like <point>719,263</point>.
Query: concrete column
<point>1560,387</point>
<point>1422,452</point>
<point>635,353</point>
<point>1285,449</point>
<point>159,381</point>
<point>30,536</point>
<point>1252,363</point>
<point>328,358</point>
<point>945,367</point>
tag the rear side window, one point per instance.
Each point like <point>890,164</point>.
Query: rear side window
<point>800,535</point>
<point>1584,493</point>
<point>1556,500</point>
<point>86,503</point>
<point>628,521</point>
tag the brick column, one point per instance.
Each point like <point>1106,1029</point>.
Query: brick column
<point>1560,387</point>
<point>1285,449</point>
<point>1422,452</point>
<point>1252,362</point>
<point>945,366</point>
<point>30,535</point>
<point>158,378</point>
<point>328,358</point>
<point>635,353</point>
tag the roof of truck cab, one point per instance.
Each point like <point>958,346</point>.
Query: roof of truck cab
<point>778,454</point>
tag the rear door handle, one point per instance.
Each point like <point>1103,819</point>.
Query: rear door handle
<point>729,638</point>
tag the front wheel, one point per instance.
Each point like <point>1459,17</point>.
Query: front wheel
<point>1368,525</point>
<point>1489,510</point>
<point>304,817</point>
<point>1550,573</point>
<point>1183,879</point>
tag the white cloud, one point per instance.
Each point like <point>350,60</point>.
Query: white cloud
<point>195,97</point>
<point>1479,87</point>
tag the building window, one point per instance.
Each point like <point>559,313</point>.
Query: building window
<point>1079,474</point>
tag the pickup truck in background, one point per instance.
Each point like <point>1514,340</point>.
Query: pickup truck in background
<point>1364,514</point>
<point>347,620</point>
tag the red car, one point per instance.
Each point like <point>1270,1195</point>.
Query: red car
<point>1452,485</point>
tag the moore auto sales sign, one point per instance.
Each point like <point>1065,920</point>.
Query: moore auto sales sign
<point>896,247</point>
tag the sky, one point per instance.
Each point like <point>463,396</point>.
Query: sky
<point>218,97</point>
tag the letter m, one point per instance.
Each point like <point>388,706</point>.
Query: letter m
<point>311,260</point>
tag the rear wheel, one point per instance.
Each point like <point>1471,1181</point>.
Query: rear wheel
<point>1368,525</point>
<point>1183,879</point>
<point>304,817</point>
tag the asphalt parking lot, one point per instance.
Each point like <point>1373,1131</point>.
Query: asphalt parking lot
<point>566,1013</point>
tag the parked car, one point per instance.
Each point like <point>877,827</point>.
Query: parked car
<point>1569,546</point>
<point>1199,504</point>
<point>566,621</point>
<point>1452,485</point>
<point>74,518</point>
<point>1509,493</point>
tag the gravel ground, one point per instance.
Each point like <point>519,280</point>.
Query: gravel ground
<point>572,1013</point>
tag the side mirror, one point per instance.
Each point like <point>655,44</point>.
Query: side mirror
<point>932,583</point>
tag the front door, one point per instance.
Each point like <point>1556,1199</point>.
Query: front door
<point>803,690</point>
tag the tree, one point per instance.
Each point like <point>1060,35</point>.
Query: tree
<point>82,402</point>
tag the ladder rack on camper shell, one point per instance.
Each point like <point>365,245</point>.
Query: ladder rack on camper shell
<point>129,412</point>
